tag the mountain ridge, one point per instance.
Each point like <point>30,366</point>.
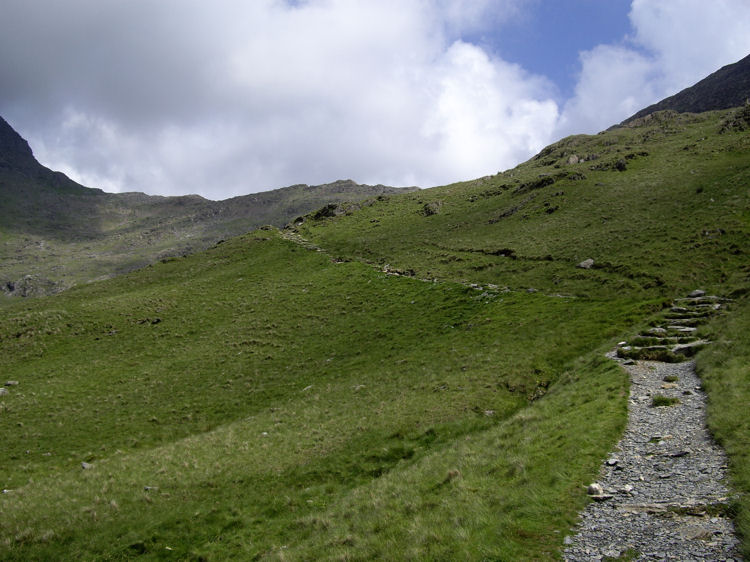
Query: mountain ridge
<point>726,88</point>
<point>58,233</point>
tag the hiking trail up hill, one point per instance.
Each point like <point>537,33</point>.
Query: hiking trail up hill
<point>661,494</point>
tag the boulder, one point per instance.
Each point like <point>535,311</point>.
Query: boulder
<point>586,264</point>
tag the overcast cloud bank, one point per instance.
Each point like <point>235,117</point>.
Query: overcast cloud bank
<point>232,97</point>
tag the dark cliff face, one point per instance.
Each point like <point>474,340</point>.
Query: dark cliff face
<point>727,87</point>
<point>15,152</point>
<point>17,161</point>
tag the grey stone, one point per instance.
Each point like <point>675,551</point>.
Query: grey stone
<point>697,293</point>
<point>11,383</point>
<point>586,264</point>
<point>658,482</point>
<point>86,466</point>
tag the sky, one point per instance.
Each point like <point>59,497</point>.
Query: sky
<point>230,97</point>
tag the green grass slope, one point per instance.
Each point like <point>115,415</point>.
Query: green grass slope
<point>661,207</point>
<point>262,400</point>
<point>231,401</point>
<point>53,229</point>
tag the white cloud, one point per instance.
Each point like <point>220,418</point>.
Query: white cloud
<point>233,97</point>
<point>690,39</point>
<point>615,82</point>
<point>486,113</point>
<point>675,44</point>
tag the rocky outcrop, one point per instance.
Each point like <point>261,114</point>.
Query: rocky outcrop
<point>31,286</point>
<point>726,88</point>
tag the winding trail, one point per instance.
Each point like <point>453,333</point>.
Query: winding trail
<point>661,494</point>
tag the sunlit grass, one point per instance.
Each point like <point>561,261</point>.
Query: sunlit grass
<point>260,400</point>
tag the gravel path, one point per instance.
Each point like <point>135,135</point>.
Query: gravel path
<point>662,495</point>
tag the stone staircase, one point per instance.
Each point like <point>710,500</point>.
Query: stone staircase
<point>675,336</point>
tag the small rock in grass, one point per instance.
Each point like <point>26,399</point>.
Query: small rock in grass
<point>86,466</point>
<point>452,475</point>
<point>586,264</point>
<point>697,293</point>
<point>11,383</point>
<point>3,391</point>
<point>595,489</point>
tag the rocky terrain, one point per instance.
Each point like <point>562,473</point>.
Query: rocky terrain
<point>727,87</point>
<point>55,233</point>
<point>662,494</point>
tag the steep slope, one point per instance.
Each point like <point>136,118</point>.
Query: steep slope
<point>646,204</point>
<point>55,233</point>
<point>726,88</point>
<point>431,383</point>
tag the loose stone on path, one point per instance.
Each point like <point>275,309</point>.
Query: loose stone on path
<point>661,494</point>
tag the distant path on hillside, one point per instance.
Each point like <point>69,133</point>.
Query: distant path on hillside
<point>661,494</point>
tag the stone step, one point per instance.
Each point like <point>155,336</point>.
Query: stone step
<point>650,353</point>
<point>712,306</point>
<point>644,339</point>
<point>706,314</point>
<point>675,328</point>
<point>687,321</point>
<point>694,301</point>
<point>690,349</point>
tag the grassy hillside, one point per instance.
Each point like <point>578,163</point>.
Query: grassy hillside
<point>263,400</point>
<point>661,207</point>
<point>55,233</point>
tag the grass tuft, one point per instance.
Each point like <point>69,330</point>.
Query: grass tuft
<point>659,401</point>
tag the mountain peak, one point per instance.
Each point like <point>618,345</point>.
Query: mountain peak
<point>727,87</point>
<point>15,152</point>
